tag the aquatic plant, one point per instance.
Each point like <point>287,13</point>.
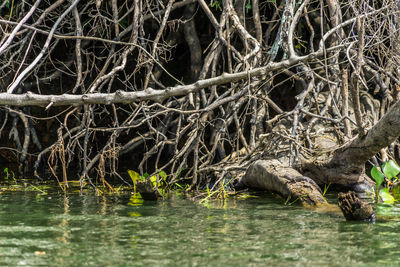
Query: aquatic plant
<point>9,174</point>
<point>389,172</point>
<point>158,182</point>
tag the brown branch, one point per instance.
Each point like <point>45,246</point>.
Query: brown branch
<point>32,99</point>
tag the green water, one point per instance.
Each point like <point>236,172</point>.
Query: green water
<point>73,230</point>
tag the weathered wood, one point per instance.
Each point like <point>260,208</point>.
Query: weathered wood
<point>346,165</point>
<point>354,209</point>
<point>272,175</point>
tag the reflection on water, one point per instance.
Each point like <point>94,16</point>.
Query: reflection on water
<point>73,230</point>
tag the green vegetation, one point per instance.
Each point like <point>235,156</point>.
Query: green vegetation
<point>9,175</point>
<point>158,183</point>
<point>326,187</point>
<point>7,5</point>
<point>287,203</point>
<point>389,193</point>
<point>217,4</point>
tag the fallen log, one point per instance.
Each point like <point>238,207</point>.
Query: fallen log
<point>288,182</point>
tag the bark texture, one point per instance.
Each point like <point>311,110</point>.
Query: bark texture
<point>272,175</point>
<point>354,209</point>
<point>347,165</point>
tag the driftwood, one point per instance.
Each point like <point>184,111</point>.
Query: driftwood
<point>289,183</point>
<point>273,176</point>
<point>355,209</point>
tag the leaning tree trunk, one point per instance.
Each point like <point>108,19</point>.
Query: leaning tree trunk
<point>346,166</point>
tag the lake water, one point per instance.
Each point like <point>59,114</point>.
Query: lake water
<point>73,230</point>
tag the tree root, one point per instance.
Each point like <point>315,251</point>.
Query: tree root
<point>355,209</point>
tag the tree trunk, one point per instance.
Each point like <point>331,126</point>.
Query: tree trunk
<point>346,166</point>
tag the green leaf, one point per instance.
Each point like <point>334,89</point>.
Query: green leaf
<point>162,175</point>
<point>134,176</point>
<point>248,6</point>
<point>386,196</point>
<point>153,180</point>
<point>378,176</point>
<point>396,192</point>
<point>178,185</point>
<point>390,169</point>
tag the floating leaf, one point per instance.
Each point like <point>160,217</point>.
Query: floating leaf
<point>386,196</point>
<point>390,169</point>
<point>378,176</point>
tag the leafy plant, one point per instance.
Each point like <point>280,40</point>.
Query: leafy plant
<point>396,192</point>
<point>219,193</point>
<point>9,174</point>
<point>208,197</point>
<point>134,177</point>
<point>386,196</point>
<point>378,177</point>
<point>158,181</point>
<point>390,171</point>
<point>248,6</point>
<point>41,192</point>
